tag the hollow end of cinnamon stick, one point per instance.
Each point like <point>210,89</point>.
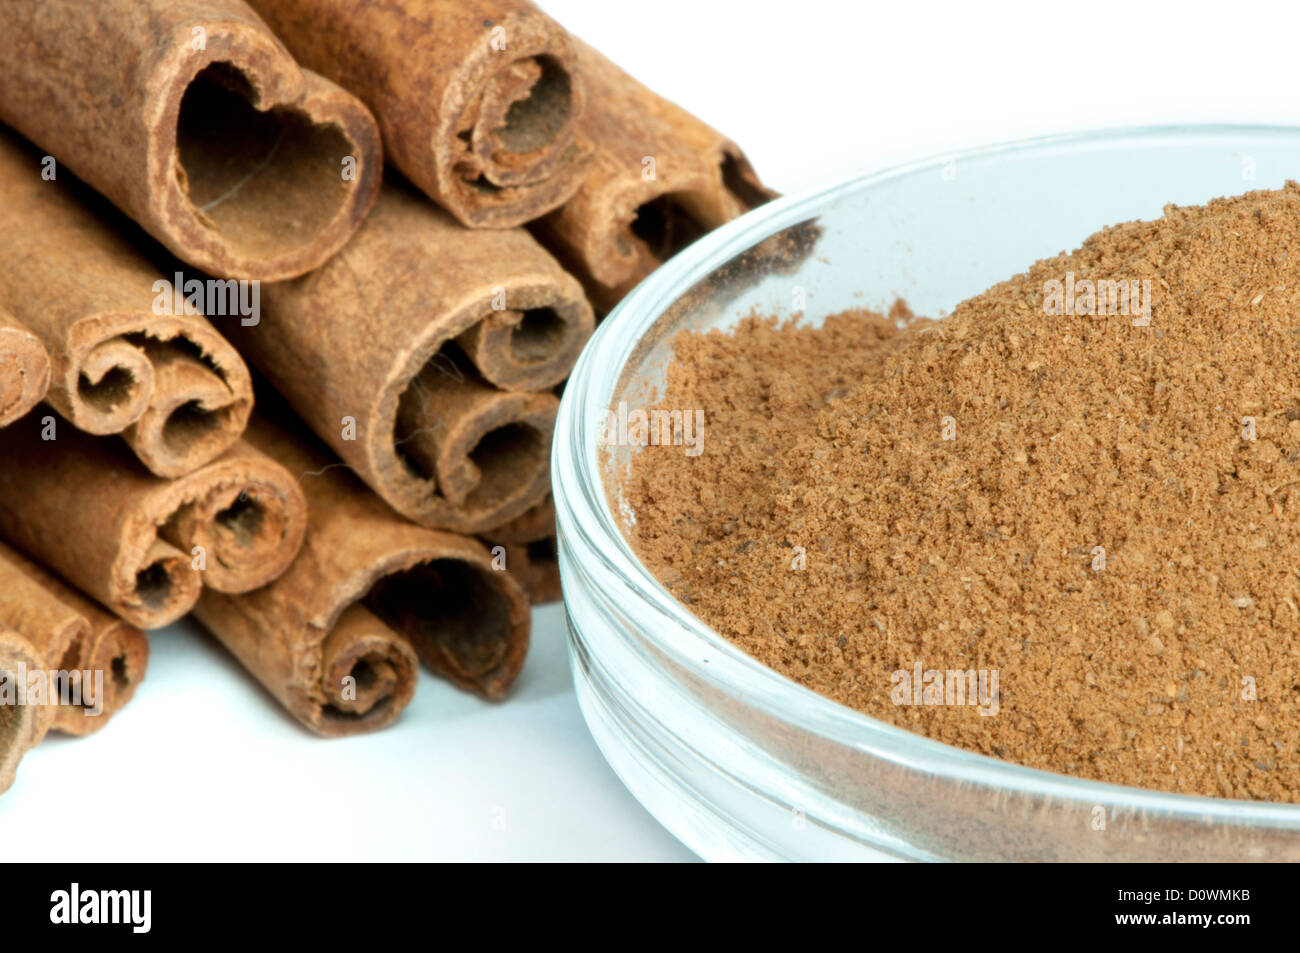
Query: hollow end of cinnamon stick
<point>233,525</point>
<point>116,655</point>
<point>480,101</point>
<point>196,122</point>
<point>507,150</point>
<point>94,659</point>
<point>467,622</point>
<point>345,674</point>
<point>24,370</point>
<point>109,388</point>
<point>245,520</point>
<point>199,406</point>
<point>124,358</point>
<point>534,343</point>
<point>621,226</point>
<point>174,389</point>
<point>486,450</point>
<point>660,179</point>
<point>381,353</point>
<point>22,726</point>
<point>368,674</point>
<point>142,545</point>
<point>156,587</point>
<point>367,579</point>
<point>271,171</point>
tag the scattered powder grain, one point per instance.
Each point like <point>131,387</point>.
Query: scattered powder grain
<point>1105,513</point>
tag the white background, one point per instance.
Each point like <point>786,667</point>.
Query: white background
<point>204,765</point>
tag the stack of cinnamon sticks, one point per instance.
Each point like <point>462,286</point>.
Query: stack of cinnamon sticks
<point>245,371</point>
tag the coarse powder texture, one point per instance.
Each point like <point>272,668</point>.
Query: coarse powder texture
<point>1101,510</point>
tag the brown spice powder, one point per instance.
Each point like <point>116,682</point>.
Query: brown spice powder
<point>1109,528</point>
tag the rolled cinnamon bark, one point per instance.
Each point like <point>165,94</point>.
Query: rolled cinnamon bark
<point>194,120</point>
<point>530,551</point>
<point>24,369</point>
<point>122,363</point>
<point>478,100</point>
<point>536,524</point>
<point>141,545</point>
<point>536,568</point>
<point>22,726</point>
<point>397,350</point>
<point>332,638</point>
<point>77,639</point>
<point>52,628</point>
<point>114,647</point>
<point>659,179</point>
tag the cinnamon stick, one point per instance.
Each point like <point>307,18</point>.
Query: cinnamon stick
<point>141,545</point>
<point>333,638</point>
<point>536,568</point>
<point>163,378</point>
<point>530,551</point>
<point>413,352</point>
<point>537,523</point>
<point>659,179</point>
<point>194,120</point>
<point>479,100</point>
<point>24,369</point>
<point>22,726</point>
<point>103,658</point>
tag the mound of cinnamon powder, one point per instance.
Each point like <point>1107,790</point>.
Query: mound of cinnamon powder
<point>1091,504</point>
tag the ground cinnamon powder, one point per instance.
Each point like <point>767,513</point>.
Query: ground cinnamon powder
<point>1099,508</point>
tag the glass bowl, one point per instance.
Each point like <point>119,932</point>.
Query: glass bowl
<point>736,760</point>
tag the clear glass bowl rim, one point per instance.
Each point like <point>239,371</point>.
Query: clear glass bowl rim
<point>583,512</point>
